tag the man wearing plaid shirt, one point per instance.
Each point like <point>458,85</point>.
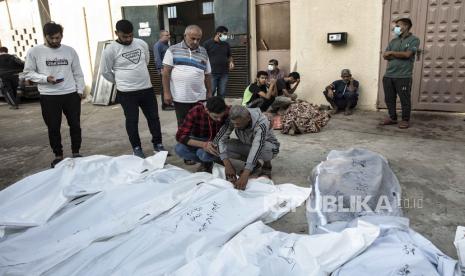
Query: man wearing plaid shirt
<point>199,128</point>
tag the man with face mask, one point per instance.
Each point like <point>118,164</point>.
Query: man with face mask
<point>274,73</point>
<point>196,134</point>
<point>124,62</point>
<point>219,53</point>
<point>397,80</point>
<point>56,69</point>
<point>255,141</point>
<point>342,94</point>
<point>186,75</point>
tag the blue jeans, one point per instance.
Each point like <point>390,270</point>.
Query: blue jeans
<point>219,82</point>
<point>193,153</point>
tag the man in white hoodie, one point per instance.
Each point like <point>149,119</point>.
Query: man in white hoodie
<point>125,63</point>
<point>56,69</point>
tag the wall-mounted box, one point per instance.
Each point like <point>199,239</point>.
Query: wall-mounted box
<point>337,38</point>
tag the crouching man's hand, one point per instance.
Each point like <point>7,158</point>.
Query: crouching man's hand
<point>241,183</point>
<point>229,171</point>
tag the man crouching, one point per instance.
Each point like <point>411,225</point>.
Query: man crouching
<point>255,142</point>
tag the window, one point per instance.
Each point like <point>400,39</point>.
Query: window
<point>208,8</point>
<point>172,12</point>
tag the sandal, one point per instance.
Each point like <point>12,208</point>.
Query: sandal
<point>404,124</point>
<point>388,121</point>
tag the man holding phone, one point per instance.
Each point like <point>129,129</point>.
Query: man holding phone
<point>56,69</point>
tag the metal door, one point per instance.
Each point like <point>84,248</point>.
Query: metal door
<point>439,72</point>
<point>147,28</point>
<point>234,15</point>
<point>442,80</point>
<point>273,36</point>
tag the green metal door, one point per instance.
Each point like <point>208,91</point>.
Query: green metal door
<point>145,21</point>
<point>147,28</point>
<point>234,15</point>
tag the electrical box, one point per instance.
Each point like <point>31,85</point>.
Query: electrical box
<point>337,38</point>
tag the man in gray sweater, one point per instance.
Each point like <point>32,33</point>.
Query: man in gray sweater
<point>124,62</point>
<point>56,69</point>
<point>255,142</point>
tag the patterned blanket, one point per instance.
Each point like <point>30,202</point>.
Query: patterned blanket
<point>303,117</point>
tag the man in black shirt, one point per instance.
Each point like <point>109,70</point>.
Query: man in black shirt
<point>258,94</point>
<point>221,61</point>
<point>10,66</point>
<point>285,88</point>
<point>343,94</point>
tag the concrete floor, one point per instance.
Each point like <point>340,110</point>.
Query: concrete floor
<point>428,158</point>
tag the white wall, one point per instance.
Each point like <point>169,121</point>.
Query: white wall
<point>320,63</point>
<point>24,14</point>
<point>70,14</point>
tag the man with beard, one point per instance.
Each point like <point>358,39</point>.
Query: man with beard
<point>56,69</point>
<point>125,63</point>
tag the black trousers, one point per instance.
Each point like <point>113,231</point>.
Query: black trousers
<point>146,100</point>
<point>181,110</point>
<point>9,89</point>
<point>401,87</point>
<point>52,108</point>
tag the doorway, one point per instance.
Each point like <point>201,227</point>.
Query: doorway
<point>438,82</point>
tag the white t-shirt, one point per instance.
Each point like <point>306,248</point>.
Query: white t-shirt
<point>60,63</point>
<point>187,83</point>
<point>126,65</point>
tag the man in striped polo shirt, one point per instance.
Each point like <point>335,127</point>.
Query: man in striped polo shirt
<point>186,73</point>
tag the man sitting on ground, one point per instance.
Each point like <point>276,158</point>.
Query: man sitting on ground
<point>258,94</point>
<point>285,88</point>
<point>274,73</point>
<point>343,94</point>
<point>255,142</point>
<point>195,135</point>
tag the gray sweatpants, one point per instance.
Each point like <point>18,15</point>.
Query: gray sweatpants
<point>281,102</point>
<point>239,151</point>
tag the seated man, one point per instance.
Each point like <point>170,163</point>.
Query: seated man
<point>255,142</point>
<point>285,88</point>
<point>343,94</point>
<point>274,73</point>
<point>200,126</point>
<point>258,94</point>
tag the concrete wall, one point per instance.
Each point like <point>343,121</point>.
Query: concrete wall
<point>101,17</point>
<point>24,14</point>
<point>320,63</point>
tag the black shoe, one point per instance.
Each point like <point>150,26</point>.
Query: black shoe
<point>56,161</point>
<point>76,155</point>
<point>160,147</point>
